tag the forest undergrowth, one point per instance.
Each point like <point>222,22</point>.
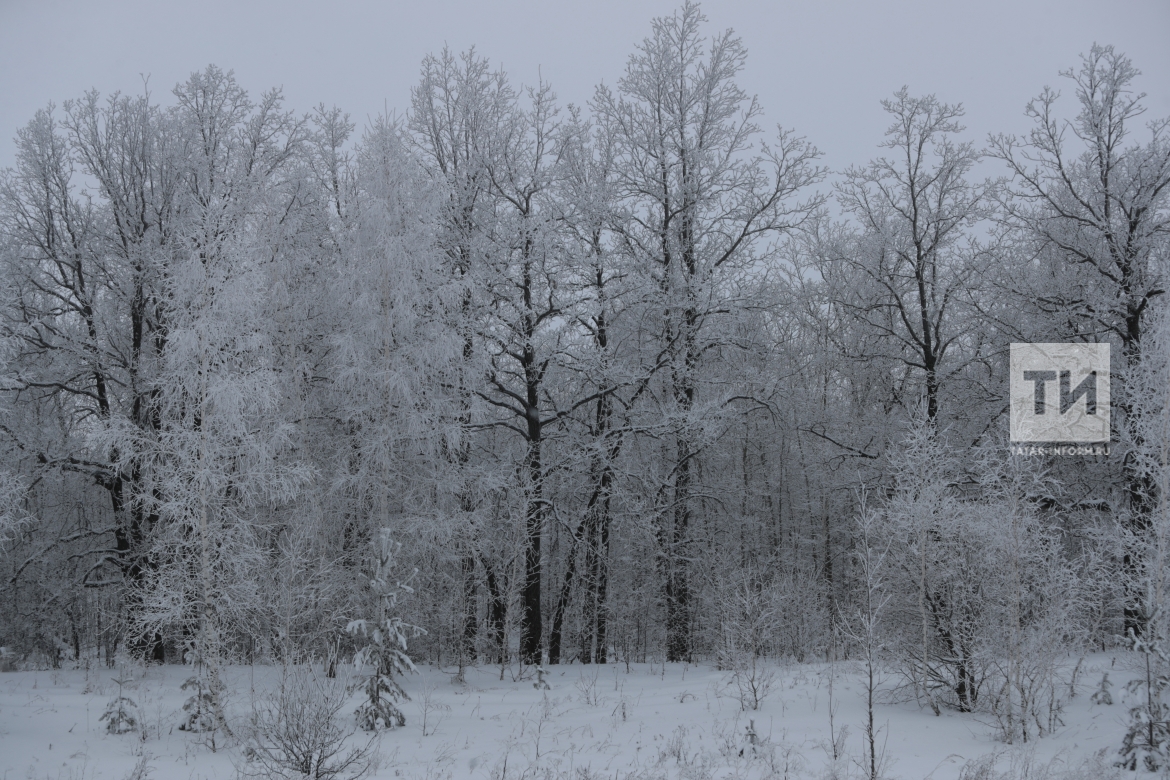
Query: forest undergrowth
<point>648,721</point>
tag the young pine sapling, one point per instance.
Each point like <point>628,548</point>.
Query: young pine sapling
<point>1147,739</point>
<point>384,658</point>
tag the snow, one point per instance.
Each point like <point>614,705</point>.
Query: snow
<point>650,721</point>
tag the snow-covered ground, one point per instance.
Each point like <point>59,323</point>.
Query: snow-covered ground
<point>593,722</point>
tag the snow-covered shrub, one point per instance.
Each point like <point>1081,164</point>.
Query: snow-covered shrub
<point>141,770</point>
<point>933,614</point>
<point>748,619</point>
<point>752,678</point>
<point>384,658</point>
<point>294,733</point>
<point>1025,695</point>
<point>1023,765</point>
<point>985,601</point>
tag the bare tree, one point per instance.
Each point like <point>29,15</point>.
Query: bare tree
<point>700,199</point>
<point>913,272</point>
<point>87,314</point>
<point>500,154</point>
<point>1093,205</point>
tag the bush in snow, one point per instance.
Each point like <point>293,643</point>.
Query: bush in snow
<point>748,619</point>
<point>294,733</point>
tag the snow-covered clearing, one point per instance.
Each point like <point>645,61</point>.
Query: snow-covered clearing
<point>593,722</point>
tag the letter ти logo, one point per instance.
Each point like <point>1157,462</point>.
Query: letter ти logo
<point>1078,410</point>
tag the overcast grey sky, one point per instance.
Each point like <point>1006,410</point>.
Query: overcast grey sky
<point>818,67</point>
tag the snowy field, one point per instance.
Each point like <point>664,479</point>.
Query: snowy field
<point>593,722</point>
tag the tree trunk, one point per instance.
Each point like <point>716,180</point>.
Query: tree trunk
<point>678,618</point>
<point>554,634</point>
<point>497,614</point>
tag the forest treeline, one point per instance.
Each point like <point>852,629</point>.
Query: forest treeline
<point>639,380</point>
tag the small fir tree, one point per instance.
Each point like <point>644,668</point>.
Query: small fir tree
<point>1102,694</point>
<point>1147,740</point>
<point>384,658</point>
<point>122,714</point>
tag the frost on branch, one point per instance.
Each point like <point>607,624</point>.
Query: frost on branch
<point>384,659</point>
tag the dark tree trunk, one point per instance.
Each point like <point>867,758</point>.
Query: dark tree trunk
<point>555,633</point>
<point>497,614</point>
<point>470,608</point>
<point>593,639</point>
<point>678,597</point>
<point>1141,492</point>
<point>531,627</point>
